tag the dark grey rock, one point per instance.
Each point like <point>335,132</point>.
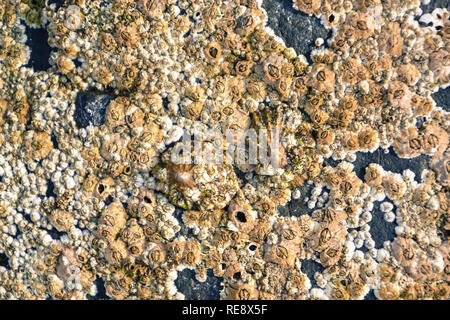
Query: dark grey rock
<point>380,229</point>
<point>101,291</point>
<point>297,207</point>
<point>90,108</point>
<point>442,98</point>
<point>58,3</point>
<point>420,121</point>
<point>55,234</point>
<point>428,8</point>
<point>37,40</point>
<point>297,29</point>
<point>310,267</point>
<point>370,296</point>
<point>184,230</point>
<point>389,161</point>
<point>4,261</point>
<point>196,290</point>
<point>50,192</point>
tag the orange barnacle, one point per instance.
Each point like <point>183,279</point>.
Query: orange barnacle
<point>242,291</point>
<point>213,51</point>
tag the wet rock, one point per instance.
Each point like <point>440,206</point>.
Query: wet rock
<point>310,267</point>
<point>4,262</point>
<point>50,189</point>
<point>389,161</point>
<point>58,3</point>
<point>380,229</point>
<point>55,234</point>
<point>90,108</point>
<point>420,121</point>
<point>442,98</point>
<point>184,230</point>
<point>298,207</point>
<point>37,40</point>
<point>297,29</point>
<point>195,290</point>
<point>428,8</point>
<point>101,291</point>
<point>370,296</point>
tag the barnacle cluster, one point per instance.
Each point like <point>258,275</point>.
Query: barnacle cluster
<point>106,200</point>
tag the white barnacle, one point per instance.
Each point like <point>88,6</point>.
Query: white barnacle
<point>389,217</point>
<point>366,216</point>
<point>386,206</point>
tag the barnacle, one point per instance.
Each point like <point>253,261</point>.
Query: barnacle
<point>241,216</point>
<point>3,106</point>
<point>325,137</point>
<point>387,292</point>
<point>408,73</point>
<point>191,253</point>
<point>116,253</point>
<point>394,185</point>
<point>104,188</point>
<point>21,110</point>
<point>399,94</point>
<point>341,118</point>
<point>368,140</point>
<point>169,73</point>
<point>62,220</point>
<point>363,24</point>
<point>127,34</point>
<point>441,165</point>
<point>435,140</point>
<point>422,271</point>
<point>242,291</point>
<point>373,175</point>
<point>65,65</point>
<point>322,78</point>
<point>307,6</point>
<point>351,142</point>
<point>113,216</point>
<point>181,175</point>
<point>74,17</point>
<point>440,65</point>
<point>339,293</point>
<point>249,21</point>
<point>213,51</point>
<point>391,41</point>
<point>404,251</point>
<point>271,69</point>
<point>102,75</point>
<point>257,90</point>
<point>152,8</point>
<point>283,254</point>
<point>408,143</point>
<point>68,264</point>
<point>38,144</point>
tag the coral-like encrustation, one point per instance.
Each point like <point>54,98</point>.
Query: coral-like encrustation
<point>91,191</point>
